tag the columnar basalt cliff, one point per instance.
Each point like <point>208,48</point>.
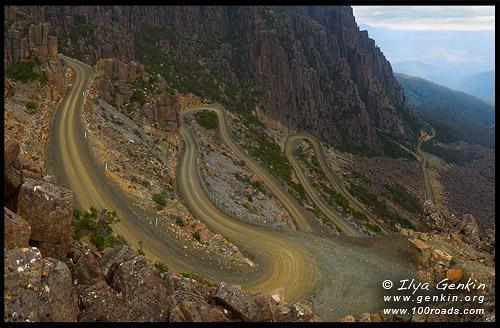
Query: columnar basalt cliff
<point>305,67</point>
<point>26,39</point>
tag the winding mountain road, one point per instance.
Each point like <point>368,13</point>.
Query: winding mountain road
<point>291,143</point>
<point>71,161</point>
<point>300,263</point>
<point>281,262</point>
<point>303,220</point>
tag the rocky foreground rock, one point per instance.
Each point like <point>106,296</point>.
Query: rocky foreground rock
<point>48,276</point>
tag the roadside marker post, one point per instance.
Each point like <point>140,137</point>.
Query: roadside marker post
<point>156,222</point>
<point>106,164</point>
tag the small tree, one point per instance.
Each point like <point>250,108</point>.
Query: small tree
<point>99,225</point>
<point>139,250</point>
<point>196,236</point>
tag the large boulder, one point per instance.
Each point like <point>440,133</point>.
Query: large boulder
<point>249,307</point>
<point>112,258</point>
<point>419,251</point>
<point>48,208</point>
<point>12,181</point>
<point>16,230</point>
<point>189,307</point>
<point>11,150</point>
<point>85,268</point>
<point>100,302</point>
<point>22,277</point>
<point>57,300</point>
<point>454,275</point>
<point>140,287</point>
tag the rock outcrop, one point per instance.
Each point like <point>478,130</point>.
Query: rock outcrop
<point>48,208</point>
<point>27,39</point>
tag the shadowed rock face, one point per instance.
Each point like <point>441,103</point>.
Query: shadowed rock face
<point>305,67</point>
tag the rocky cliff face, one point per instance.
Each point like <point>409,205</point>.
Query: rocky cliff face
<point>26,39</point>
<point>304,67</point>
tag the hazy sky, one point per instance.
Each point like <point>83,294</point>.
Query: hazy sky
<point>443,44</point>
<point>427,17</point>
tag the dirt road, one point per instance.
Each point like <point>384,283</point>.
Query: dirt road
<point>291,143</point>
<point>428,192</point>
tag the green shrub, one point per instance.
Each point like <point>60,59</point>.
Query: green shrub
<point>196,236</point>
<point>30,107</point>
<point>360,216</point>
<point>99,225</point>
<point>139,251</point>
<point>22,71</point>
<point>362,177</point>
<point>160,199</point>
<point>138,96</point>
<point>207,119</point>
<point>160,266</point>
<point>373,227</point>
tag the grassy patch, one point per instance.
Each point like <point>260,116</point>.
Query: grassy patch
<point>378,207</point>
<point>30,107</point>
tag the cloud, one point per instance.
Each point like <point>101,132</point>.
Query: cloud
<point>452,56</point>
<point>427,17</point>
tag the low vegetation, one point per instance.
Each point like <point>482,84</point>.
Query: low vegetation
<point>98,224</point>
<point>207,119</point>
<point>378,207</point>
<point>403,198</point>
<point>160,199</point>
<point>30,107</point>
<point>362,177</point>
<point>194,276</point>
<point>160,267</point>
<point>23,71</point>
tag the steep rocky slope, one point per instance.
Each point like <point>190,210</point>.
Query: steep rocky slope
<point>304,67</point>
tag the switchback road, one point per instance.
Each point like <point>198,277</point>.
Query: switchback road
<point>291,144</point>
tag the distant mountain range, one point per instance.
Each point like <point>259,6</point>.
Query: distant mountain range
<point>455,115</point>
<point>460,60</point>
<point>480,85</point>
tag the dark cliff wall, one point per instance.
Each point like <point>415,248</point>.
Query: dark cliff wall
<point>306,67</point>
